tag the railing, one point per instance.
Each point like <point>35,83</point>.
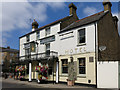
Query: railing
<point>45,55</point>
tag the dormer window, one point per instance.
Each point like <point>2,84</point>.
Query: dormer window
<point>47,31</point>
<point>38,35</point>
<point>27,38</point>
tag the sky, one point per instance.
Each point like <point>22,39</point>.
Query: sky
<point>16,17</point>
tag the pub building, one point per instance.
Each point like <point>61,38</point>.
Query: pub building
<point>73,49</point>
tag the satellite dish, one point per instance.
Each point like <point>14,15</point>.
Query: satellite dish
<point>102,48</point>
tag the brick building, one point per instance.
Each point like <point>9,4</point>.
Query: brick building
<point>8,56</point>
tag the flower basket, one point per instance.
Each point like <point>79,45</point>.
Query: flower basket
<point>42,72</point>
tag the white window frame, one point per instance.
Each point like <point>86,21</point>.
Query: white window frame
<point>37,35</point>
<point>27,38</point>
<point>62,66</point>
<point>79,66</point>
<point>46,31</point>
<point>81,36</point>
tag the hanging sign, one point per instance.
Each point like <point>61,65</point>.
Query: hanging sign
<point>32,47</point>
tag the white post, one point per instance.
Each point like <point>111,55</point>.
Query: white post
<point>30,73</point>
<point>38,72</point>
<point>56,72</point>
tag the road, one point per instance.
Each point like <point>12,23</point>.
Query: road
<point>10,84</point>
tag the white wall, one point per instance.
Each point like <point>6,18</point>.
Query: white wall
<point>41,47</point>
<point>107,74</point>
<point>65,46</point>
<point>22,41</point>
<point>71,44</point>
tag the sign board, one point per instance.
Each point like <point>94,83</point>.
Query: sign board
<point>47,40</point>
<point>27,46</point>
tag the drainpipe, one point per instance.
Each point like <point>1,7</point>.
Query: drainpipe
<point>57,68</point>
<point>96,50</point>
<point>53,71</point>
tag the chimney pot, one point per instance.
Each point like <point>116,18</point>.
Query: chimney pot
<point>107,5</point>
<point>8,47</point>
<point>34,25</point>
<point>72,9</point>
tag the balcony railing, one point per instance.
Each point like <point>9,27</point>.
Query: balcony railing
<point>39,56</point>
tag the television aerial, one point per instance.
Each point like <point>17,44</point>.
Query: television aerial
<point>102,48</point>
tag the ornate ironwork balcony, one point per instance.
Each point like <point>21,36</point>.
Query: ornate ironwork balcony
<point>40,56</point>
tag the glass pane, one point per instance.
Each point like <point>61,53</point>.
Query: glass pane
<point>38,35</point>
<point>82,62</point>
<point>82,32</point>
<point>47,31</point>
<point>65,66</point>
<point>82,39</point>
<point>65,70</point>
<point>81,70</point>
<point>82,36</point>
<point>82,65</point>
<point>47,47</point>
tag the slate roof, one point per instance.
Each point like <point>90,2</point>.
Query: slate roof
<point>85,21</point>
<point>2,49</point>
<point>53,23</point>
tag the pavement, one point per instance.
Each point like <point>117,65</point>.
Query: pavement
<point>36,85</point>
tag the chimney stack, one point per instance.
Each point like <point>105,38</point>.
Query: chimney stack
<point>8,47</point>
<point>72,9</point>
<point>115,19</point>
<point>107,5</point>
<point>34,25</point>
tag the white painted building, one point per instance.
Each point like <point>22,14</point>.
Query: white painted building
<point>72,40</point>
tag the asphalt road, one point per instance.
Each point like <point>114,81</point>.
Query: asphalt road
<point>16,85</point>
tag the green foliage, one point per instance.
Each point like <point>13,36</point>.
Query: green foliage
<point>71,71</point>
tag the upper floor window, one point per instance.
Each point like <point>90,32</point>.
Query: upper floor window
<point>47,31</point>
<point>47,49</point>
<point>82,66</point>
<point>38,35</point>
<point>81,36</point>
<point>64,65</point>
<point>27,38</point>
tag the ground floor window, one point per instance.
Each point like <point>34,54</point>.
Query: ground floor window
<point>82,66</point>
<point>64,65</point>
<point>50,70</point>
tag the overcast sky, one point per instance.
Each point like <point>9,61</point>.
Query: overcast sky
<point>18,16</point>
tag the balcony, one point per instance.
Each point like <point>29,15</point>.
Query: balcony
<point>40,56</point>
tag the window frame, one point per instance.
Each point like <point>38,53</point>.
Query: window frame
<point>81,43</point>
<point>46,33</point>
<point>37,34</point>
<point>27,38</point>
<point>64,67</point>
<point>82,74</point>
<point>48,49</point>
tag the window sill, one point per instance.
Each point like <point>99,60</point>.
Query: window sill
<point>64,75</point>
<point>81,44</point>
<point>82,76</point>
